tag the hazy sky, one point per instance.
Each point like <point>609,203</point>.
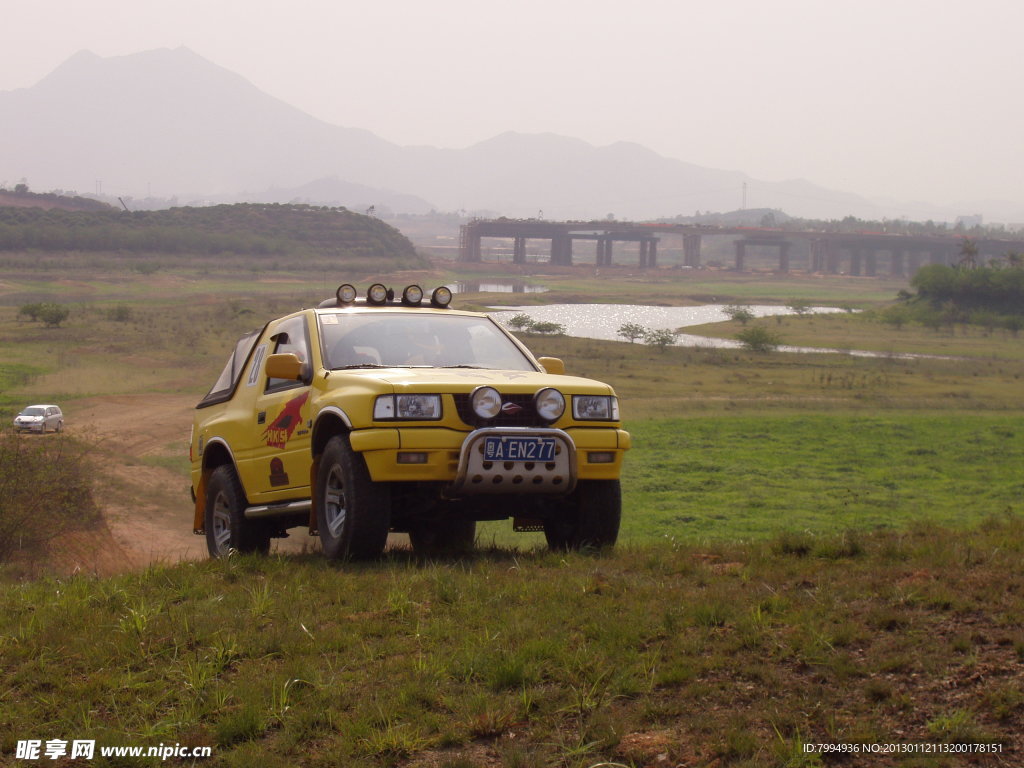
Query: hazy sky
<point>912,99</point>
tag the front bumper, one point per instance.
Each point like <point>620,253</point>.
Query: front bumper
<point>440,456</point>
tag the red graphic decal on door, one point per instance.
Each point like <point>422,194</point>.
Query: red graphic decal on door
<point>281,428</point>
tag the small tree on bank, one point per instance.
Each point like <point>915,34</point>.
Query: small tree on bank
<point>632,331</point>
<point>661,338</point>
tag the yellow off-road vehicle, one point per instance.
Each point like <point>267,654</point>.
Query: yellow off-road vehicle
<point>369,415</point>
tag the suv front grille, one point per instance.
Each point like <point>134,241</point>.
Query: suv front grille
<point>526,417</point>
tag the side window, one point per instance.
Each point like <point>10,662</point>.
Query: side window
<point>290,336</point>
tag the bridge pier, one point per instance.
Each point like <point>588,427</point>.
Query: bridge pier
<point>691,250</point>
<point>897,259</point>
<point>741,255</point>
<point>648,253</point>
<point>561,250</point>
<point>519,250</point>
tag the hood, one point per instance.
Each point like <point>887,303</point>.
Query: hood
<point>441,380</point>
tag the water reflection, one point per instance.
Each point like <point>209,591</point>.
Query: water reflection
<point>473,286</point>
<point>602,321</point>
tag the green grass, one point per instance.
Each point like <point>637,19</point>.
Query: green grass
<point>752,477</point>
<point>735,653</point>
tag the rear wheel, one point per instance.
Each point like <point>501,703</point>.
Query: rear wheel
<point>353,513</point>
<point>589,518</point>
<point>226,526</point>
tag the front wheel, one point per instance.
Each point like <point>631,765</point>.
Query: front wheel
<point>589,518</point>
<point>226,526</point>
<point>353,513</point>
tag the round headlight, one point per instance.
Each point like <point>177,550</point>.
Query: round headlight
<point>486,402</point>
<point>412,295</point>
<point>441,297</point>
<point>549,403</point>
<point>346,293</point>
<point>378,294</point>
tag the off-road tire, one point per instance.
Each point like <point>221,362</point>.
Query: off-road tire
<point>353,513</point>
<point>444,536</point>
<point>225,523</point>
<point>589,518</point>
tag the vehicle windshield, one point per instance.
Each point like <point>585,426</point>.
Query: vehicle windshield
<point>382,339</point>
<point>34,410</point>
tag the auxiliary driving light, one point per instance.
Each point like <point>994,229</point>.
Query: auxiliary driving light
<point>346,293</point>
<point>486,402</point>
<point>412,296</point>
<point>441,297</point>
<point>549,403</point>
<point>379,294</point>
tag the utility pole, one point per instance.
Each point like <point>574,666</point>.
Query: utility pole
<point>744,207</point>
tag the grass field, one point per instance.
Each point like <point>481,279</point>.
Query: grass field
<point>815,548</point>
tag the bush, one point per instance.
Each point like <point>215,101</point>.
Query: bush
<point>53,315</point>
<point>661,338</point>
<point>757,338</point>
<point>738,313</point>
<point>548,328</point>
<point>520,322</point>
<point>45,491</point>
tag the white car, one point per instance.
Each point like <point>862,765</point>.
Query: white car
<point>40,418</point>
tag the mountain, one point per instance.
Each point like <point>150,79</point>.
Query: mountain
<point>169,122</point>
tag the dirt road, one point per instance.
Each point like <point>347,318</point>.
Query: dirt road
<point>136,440</point>
<point>140,443</point>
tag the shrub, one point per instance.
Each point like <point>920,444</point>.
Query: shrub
<point>738,313</point>
<point>548,328</point>
<point>757,338</point>
<point>45,491</point>
<point>520,322</point>
<point>53,315</point>
<point>661,338</point>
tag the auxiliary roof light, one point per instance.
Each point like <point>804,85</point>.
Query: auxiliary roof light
<point>379,294</point>
<point>412,296</point>
<point>441,297</point>
<point>346,293</point>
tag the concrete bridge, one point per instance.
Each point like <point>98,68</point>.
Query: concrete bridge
<point>861,253</point>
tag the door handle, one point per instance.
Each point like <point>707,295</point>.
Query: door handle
<point>261,417</point>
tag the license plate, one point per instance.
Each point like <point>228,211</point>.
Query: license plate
<point>519,449</point>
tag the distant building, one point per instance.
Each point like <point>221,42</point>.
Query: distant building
<point>969,222</point>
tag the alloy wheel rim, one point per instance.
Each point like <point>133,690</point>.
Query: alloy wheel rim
<point>334,502</point>
<point>221,524</point>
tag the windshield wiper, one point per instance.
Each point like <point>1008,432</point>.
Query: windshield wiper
<point>478,367</point>
<point>360,365</point>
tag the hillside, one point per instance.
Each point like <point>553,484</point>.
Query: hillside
<point>169,122</point>
<point>247,229</point>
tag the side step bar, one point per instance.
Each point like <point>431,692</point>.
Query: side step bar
<point>284,508</point>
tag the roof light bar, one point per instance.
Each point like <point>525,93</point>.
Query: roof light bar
<point>412,296</point>
<point>379,294</point>
<point>441,297</point>
<point>346,293</point>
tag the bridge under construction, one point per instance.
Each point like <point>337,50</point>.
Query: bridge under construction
<point>853,253</point>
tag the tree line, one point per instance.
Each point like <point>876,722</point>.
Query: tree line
<point>246,229</point>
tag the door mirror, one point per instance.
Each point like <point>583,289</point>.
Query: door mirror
<point>552,365</point>
<point>286,366</point>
